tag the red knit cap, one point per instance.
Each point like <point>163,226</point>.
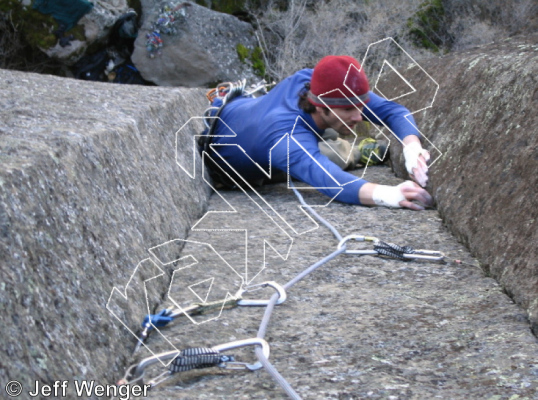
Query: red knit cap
<point>338,81</point>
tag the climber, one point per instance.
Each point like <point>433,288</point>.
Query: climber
<point>281,130</point>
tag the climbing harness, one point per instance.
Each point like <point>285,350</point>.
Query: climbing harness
<point>163,318</point>
<point>224,90</point>
<point>218,98</point>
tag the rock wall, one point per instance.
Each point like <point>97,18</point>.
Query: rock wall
<point>483,122</point>
<point>88,183</point>
<point>200,51</point>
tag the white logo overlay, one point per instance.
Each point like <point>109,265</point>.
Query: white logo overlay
<point>194,281</point>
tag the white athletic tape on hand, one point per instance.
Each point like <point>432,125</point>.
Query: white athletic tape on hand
<point>388,196</point>
<point>412,152</point>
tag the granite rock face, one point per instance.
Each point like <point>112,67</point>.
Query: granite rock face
<point>483,126</point>
<point>357,327</point>
<point>88,184</point>
<point>202,51</point>
<point>95,180</point>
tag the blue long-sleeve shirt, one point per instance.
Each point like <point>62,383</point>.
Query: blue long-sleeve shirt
<point>260,131</point>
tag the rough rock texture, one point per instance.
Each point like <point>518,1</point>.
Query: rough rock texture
<point>88,183</point>
<point>357,327</point>
<point>234,7</point>
<point>484,121</point>
<point>202,53</point>
<point>96,24</point>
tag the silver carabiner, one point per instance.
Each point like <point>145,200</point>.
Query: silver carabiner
<point>244,343</point>
<point>135,373</point>
<point>132,375</point>
<point>426,255</point>
<point>416,255</point>
<point>280,290</point>
<point>359,238</point>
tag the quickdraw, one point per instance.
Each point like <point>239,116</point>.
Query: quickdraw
<point>404,253</point>
<point>192,358</point>
<point>163,318</point>
<point>199,357</point>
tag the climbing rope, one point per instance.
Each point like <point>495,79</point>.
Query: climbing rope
<point>210,357</point>
<point>193,358</point>
<point>163,318</point>
<point>341,249</point>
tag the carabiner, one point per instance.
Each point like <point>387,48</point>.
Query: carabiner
<point>168,315</point>
<point>132,375</point>
<point>280,290</point>
<point>135,373</point>
<point>359,238</point>
<point>421,254</point>
<point>244,343</point>
<point>414,255</point>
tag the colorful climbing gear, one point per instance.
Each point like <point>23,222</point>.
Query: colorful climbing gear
<point>154,43</point>
<point>163,318</point>
<point>371,152</point>
<point>166,23</point>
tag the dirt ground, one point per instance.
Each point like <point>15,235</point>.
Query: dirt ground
<point>358,327</point>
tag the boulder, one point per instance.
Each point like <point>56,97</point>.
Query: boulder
<point>89,182</point>
<point>483,126</point>
<point>200,47</point>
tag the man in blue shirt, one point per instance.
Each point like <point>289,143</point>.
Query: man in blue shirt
<point>280,131</point>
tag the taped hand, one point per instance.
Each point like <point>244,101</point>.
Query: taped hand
<point>416,162</point>
<point>402,195</point>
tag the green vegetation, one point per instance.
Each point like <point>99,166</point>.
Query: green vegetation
<point>35,28</point>
<point>242,52</point>
<point>426,25</point>
<point>24,31</point>
<point>254,56</point>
